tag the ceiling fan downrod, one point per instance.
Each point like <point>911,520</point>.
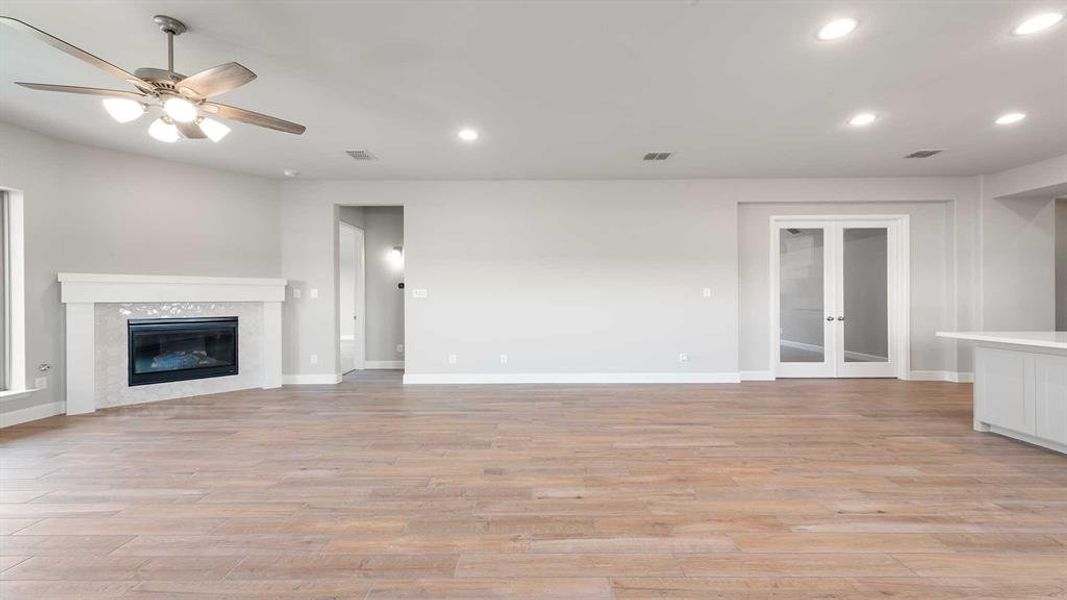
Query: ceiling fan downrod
<point>171,27</point>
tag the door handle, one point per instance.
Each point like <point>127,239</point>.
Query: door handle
<point>841,318</point>
<point>829,318</point>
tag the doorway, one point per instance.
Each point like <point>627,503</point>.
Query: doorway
<point>351,297</point>
<point>839,296</point>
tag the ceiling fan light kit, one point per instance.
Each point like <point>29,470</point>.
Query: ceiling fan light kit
<point>183,101</point>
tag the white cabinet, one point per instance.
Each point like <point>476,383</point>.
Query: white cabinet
<point>1004,394</point>
<point>1050,397</point>
<point>1023,394</point>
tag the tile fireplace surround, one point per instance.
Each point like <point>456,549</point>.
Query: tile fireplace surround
<point>98,305</point>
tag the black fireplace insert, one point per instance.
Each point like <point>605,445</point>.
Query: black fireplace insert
<point>162,350</point>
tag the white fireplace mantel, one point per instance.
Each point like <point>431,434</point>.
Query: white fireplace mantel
<point>80,292</point>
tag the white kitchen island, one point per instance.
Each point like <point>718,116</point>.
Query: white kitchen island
<point>1020,384</point>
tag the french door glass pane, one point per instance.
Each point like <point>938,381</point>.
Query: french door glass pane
<point>801,297</point>
<point>865,285</point>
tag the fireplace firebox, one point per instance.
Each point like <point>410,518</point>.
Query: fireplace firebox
<point>163,350</point>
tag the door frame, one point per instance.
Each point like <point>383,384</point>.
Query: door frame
<point>359,296</point>
<point>899,284</point>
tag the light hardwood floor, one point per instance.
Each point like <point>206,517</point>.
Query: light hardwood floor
<point>794,489</point>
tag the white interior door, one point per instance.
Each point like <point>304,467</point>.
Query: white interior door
<point>838,296</point>
<point>351,297</point>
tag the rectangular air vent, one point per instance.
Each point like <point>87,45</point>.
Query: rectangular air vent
<point>361,154</point>
<point>657,156</point>
<point>923,153</point>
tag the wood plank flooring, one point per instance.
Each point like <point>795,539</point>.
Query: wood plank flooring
<point>842,489</point>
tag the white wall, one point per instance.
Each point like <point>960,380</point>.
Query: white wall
<point>94,210</point>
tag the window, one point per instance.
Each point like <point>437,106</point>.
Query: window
<point>12,298</point>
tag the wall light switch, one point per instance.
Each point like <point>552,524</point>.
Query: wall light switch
<point>297,293</point>
<point>707,292</point>
<point>40,383</point>
<point>452,359</point>
<point>419,293</point>
<point>503,359</point>
<point>314,359</point>
<point>683,358</point>
<point>313,292</point>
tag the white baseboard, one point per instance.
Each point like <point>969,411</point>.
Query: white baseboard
<point>32,413</point>
<point>950,376</point>
<point>383,364</point>
<point>801,346</point>
<point>757,375</point>
<point>321,379</point>
<point>494,378</point>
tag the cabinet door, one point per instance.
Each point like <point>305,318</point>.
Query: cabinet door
<point>1004,390</point>
<point>1051,397</point>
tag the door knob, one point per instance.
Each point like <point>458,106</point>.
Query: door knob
<point>841,318</point>
<point>829,318</point>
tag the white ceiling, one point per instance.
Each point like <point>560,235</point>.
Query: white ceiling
<point>572,89</point>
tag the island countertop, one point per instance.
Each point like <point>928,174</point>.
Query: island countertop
<point>1038,339</point>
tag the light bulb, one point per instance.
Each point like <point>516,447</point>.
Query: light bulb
<point>213,129</point>
<point>1038,23</point>
<point>467,135</point>
<point>835,30</point>
<point>180,109</point>
<point>123,110</point>
<point>163,130</point>
<point>863,119</point>
<point>1009,118</point>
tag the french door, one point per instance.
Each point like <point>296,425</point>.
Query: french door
<point>839,296</point>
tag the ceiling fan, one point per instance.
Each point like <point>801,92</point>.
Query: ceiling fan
<point>185,101</point>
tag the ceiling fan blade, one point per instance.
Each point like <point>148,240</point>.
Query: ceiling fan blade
<point>190,130</point>
<point>216,80</point>
<point>71,89</point>
<point>253,118</point>
<point>76,52</point>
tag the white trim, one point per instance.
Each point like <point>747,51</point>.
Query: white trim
<point>757,375</point>
<point>802,346</point>
<point>318,379</point>
<point>32,413</point>
<point>862,357</point>
<point>950,376</point>
<point>7,396</point>
<point>1025,437</point>
<point>504,378</point>
<point>348,338</point>
<point>383,364</point>
<point>16,291</point>
<point>97,287</point>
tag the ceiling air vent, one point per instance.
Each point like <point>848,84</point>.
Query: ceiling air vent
<point>361,154</point>
<point>923,153</point>
<point>657,156</point>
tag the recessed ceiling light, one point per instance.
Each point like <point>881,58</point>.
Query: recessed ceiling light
<point>1038,23</point>
<point>862,119</point>
<point>837,29</point>
<point>290,173</point>
<point>1009,118</point>
<point>467,135</point>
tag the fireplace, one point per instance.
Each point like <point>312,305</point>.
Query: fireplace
<point>162,350</point>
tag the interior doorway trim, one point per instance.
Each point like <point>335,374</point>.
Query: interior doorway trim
<point>899,284</point>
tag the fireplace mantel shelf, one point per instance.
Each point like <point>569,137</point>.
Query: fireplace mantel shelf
<point>98,287</point>
<point>80,292</point>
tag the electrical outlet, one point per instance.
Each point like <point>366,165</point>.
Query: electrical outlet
<point>313,292</point>
<point>452,359</point>
<point>419,293</point>
<point>707,292</point>
<point>683,358</point>
<point>503,359</point>
<point>297,293</point>
<point>40,383</point>
<point>314,359</point>
<point>400,348</point>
